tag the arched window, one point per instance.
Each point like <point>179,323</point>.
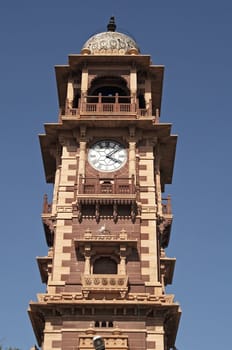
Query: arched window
<point>105,265</point>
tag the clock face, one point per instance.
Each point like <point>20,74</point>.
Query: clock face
<point>107,155</point>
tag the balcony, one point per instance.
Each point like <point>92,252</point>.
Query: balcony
<point>108,105</point>
<point>48,221</point>
<point>104,283</point>
<point>166,206</point>
<point>106,198</point>
<point>106,189</point>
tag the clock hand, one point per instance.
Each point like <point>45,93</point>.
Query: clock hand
<point>114,159</point>
<point>111,153</point>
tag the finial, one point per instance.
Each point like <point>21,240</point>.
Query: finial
<point>111,25</point>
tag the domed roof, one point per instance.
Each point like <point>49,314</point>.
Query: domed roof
<point>110,43</point>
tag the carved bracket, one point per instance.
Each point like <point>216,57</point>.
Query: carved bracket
<point>164,230</point>
<point>131,210</point>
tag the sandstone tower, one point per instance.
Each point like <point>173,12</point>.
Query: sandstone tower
<point>107,226</point>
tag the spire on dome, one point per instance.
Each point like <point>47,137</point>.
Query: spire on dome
<point>111,27</point>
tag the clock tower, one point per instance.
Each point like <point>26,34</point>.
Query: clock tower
<point>107,225</point>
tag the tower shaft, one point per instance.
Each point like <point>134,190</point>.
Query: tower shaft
<point>107,226</point>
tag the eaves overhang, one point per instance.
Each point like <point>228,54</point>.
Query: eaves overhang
<point>162,132</point>
<point>157,306</point>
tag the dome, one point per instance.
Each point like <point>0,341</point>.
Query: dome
<point>110,43</point>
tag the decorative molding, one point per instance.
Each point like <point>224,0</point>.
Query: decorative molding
<point>131,298</point>
<point>107,283</point>
<point>116,341</point>
<point>149,209</point>
<point>63,209</point>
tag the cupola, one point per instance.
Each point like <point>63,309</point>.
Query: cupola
<point>110,42</point>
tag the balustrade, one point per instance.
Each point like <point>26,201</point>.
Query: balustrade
<point>116,185</point>
<point>106,104</point>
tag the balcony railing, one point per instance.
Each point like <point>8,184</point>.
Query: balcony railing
<point>104,283</point>
<point>166,206</point>
<point>107,105</point>
<point>109,186</point>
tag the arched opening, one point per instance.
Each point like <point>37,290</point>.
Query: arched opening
<point>105,265</point>
<point>109,88</point>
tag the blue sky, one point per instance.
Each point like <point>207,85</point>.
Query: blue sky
<point>193,41</point>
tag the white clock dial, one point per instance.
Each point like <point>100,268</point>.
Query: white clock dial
<point>107,155</point>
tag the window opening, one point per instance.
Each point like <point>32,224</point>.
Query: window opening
<point>105,265</point>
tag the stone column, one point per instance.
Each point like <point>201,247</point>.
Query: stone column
<point>82,158</point>
<point>157,182</point>
<point>69,94</point>
<point>132,158</point>
<point>87,254</point>
<point>56,188</point>
<point>133,83</point>
<point>122,265</point>
<point>87,265</point>
<point>147,94</point>
<point>84,81</point>
<point>56,153</point>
